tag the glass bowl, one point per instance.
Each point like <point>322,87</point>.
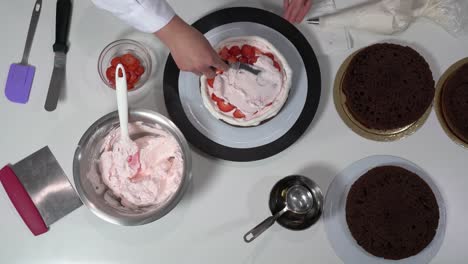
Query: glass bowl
<point>119,48</point>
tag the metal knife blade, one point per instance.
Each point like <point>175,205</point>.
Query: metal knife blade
<point>238,65</point>
<point>313,21</point>
<point>56,82</point>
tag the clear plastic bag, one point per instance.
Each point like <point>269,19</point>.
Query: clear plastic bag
<point>392,16</point>
<point>321,7</point>
<point>384,17</point>
<point>452,15</point>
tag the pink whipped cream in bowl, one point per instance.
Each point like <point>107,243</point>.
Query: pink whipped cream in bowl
<point>136,191</point>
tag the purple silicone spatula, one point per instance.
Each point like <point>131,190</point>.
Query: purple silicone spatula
<point>21,75</point>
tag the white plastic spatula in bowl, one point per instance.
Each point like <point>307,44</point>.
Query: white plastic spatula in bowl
<point>125,145</point>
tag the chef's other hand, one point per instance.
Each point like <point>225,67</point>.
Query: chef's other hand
<point>295,10</point>
<point>190,49</point>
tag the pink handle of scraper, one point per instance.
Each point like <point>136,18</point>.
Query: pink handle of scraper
<point>22,201</point>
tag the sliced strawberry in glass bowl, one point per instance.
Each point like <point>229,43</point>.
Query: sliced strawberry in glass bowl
<point>135,58</point>
<point>130,60</point>
<point>115,61</point>
<point>140,70</point>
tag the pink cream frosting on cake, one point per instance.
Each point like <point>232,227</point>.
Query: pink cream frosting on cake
<point>258,97</point>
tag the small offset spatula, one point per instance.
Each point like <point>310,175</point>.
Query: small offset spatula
<point>62,26</point>
<point>243,66</point>
<point>21,75</point>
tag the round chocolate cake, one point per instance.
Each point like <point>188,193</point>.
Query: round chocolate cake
<point>455,102</point>
<point>388,86</point>
<point>392,213</point>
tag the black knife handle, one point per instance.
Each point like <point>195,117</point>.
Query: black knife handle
<point>62,25</point>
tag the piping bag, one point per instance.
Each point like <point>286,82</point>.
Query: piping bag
<point>393,16</point>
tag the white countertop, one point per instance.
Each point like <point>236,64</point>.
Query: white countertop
<point>226,198</point>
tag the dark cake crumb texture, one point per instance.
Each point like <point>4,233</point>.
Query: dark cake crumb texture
<point>392,213</point>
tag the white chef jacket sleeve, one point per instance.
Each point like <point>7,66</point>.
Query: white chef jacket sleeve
<point>145,15</point>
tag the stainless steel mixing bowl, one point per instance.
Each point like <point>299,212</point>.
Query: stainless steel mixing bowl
<point>97,197</point>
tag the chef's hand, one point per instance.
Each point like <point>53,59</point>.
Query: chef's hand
<point>190,49</point>
<point>295,10</point>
